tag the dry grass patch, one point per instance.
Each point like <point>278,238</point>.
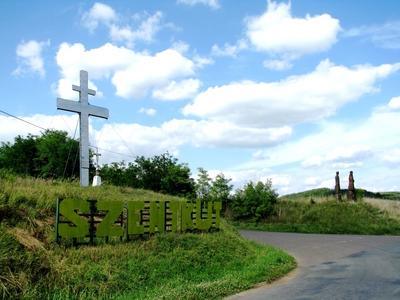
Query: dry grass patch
<point>392,207</point>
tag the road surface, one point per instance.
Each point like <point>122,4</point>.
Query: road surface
<point>332,267</point>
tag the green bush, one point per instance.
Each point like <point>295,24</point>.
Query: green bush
<point>254,201</point>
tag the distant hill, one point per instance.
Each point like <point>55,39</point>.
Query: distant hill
<point>325,192</point>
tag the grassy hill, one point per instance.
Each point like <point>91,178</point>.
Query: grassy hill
<point>317,211</point>
<point>329,193</point>
<point>163,266</point>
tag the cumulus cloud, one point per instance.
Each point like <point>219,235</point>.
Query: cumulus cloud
<point>277,64</point>
<point>361,141</point>
<point>99,13</point>
<point>296,99</point>
<point>29,57</point>
<point>340,157</point>
<point>277,32</point>
<point>148,111</point>
<point>104,14</point>
<point>132,139</point>
<point>178,90</point>
<point>385,35</point>
<point>394,103</point>
<point>367,147</point>
<point>392,156</point>
<point>11,127</point>
<point>173,134</point>
<point>311,181</point>
<point>214,4</point>
<point>228,49</point>
<point>133,74</point>
<point>145,31</point>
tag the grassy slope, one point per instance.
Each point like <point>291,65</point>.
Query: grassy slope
<point>330,194</point>
<point>184,266</point>
<point>327,217</point>
<point>317,211</point>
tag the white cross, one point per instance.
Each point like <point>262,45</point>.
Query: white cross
<point>84,109</point>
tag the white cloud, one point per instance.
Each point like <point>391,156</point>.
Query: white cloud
<point>145,31</point>
<point>392,156</point>
<point>385,35</point>
<point>136,139</point>
<point>103,14</point>
<point>11,127</point>
<point>293,100</point>
<point>214,4</point>
<point>180,46</point>
<point>133,74</point>
<point>99,14</point>
<point>260,155</point>
<point>372,153</point>
<point>225,134</point>
<point>29,56</point>
<point>311,162</point>
<point>348,153</point>
<point>178,90</point>
<point>365,141</point>
<point>394,103</point>
<point>311,181</point>
<point>341,157</point>
<point>277,32</point>
<point>148,111</point>
<point>151,72</point>
<point>201,61</point>
<point>228,49</point>
<point>277,64</point>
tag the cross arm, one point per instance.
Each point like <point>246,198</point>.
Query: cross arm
<point>69,105</point>
<point>78,89</point>
<point>98,111</point>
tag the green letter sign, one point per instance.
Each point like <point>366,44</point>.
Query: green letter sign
<point>104,219</point>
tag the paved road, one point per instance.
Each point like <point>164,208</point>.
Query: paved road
<point>333,267</point>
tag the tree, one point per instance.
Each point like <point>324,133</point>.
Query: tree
<point>203,185</point>
<point>20,156</point>
<point>160,173</point>
<point>56,153</point>
<point>53,154</point>
<point>221,190</point>
<point>254,201</point>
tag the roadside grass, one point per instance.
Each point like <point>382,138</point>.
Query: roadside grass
<point>164,266</point>
<point>326,216</point>
<point>391,207</point>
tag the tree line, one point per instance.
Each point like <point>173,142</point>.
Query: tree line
<point>54,155</point>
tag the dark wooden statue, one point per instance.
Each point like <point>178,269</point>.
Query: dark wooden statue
<point>351,192</point>
<point>337,187</point>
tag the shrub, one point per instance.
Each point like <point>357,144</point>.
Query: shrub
<point>254,201</point>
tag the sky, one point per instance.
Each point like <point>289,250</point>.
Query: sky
<point>291,91</point>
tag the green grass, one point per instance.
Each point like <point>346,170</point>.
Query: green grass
<point>327,217</point>
<point>164,266</point>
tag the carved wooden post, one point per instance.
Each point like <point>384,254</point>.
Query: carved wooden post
<point>351,192</point>
<point>337,187</point>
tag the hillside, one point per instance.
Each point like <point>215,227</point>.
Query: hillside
<point>329,193</point>
<point>172,265</point>
<point>318,211</point>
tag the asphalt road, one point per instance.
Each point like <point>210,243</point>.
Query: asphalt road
<point>333,267</point>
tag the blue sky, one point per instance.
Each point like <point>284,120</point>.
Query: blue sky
<point>292,91</point>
